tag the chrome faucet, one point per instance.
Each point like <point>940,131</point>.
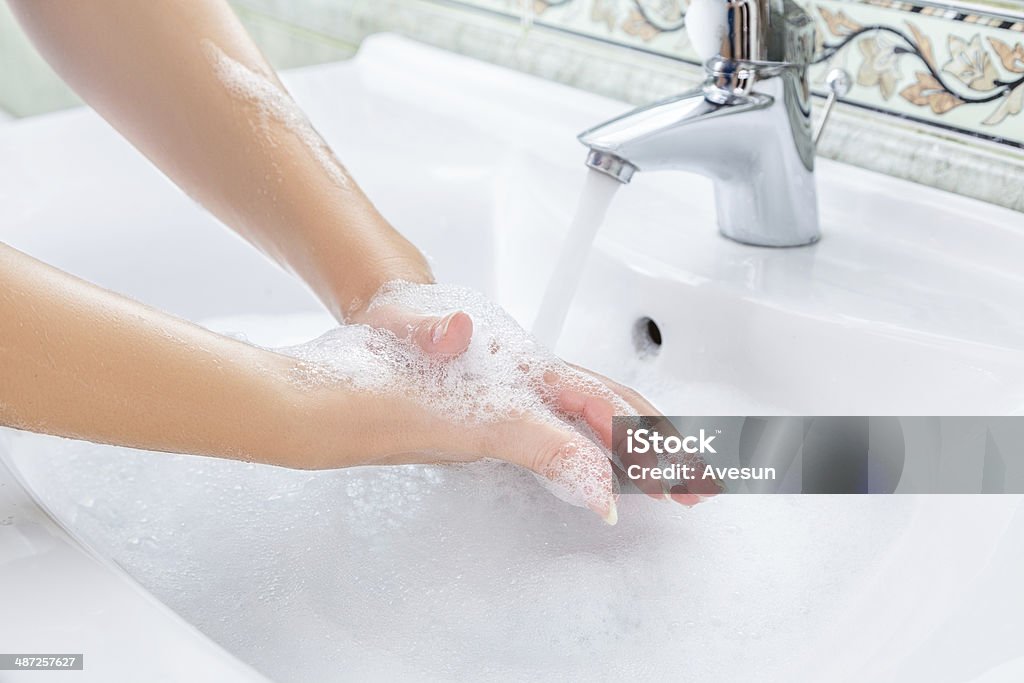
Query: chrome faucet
<point>748,127</point>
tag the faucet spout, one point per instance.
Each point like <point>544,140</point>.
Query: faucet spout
<point>610,164</point>
<point>748,127</point>
<point>677,133</point>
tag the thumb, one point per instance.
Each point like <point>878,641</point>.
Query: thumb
<point>447,335</point>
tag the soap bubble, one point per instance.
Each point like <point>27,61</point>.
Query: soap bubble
<point>480,575</point>
<point>463,572</point>
<point>504,375</point>
<point>275,111</point>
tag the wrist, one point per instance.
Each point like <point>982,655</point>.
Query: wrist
<point>335,426</point>
<point>274,429</point>
<point>408,267</point>
<point>347,289</point>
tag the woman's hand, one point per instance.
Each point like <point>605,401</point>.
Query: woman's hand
<point>689,493</point>
<point>443,375</point>
<point>344,428</point>
<point>193,93</point>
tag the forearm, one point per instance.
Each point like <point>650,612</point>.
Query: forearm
<point>82,362</point>
<point>183,82</point>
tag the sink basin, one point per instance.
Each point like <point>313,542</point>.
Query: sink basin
<point>910,304</point>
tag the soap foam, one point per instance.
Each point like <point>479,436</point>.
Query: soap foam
<point>273,103</point>
<point>503,375</point>
<point>467,572</point>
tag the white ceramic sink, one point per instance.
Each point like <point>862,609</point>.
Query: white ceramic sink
<point>910,304</point>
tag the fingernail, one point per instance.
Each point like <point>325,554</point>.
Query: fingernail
<point>441,328</point>
<point>612,516</point>
<point>719,488</point>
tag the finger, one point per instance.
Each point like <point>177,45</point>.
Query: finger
<point>583,475</point>
<point>579,393</point>
<point>653,488</point>
<point>680,495</point>
<point>596,411</point>
<point>577,469</point>
<point>705,488</point>
<point>449,335</point>
<point>688,494</point>
<point>593,403</point>
<point>640,404</point>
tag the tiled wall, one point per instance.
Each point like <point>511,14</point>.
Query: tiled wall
<point>943,67</point>
<point>954,69</point>
<point>957,69</point>
<point>949,69</point>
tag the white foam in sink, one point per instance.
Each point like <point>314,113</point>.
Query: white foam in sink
<point>464,572</point>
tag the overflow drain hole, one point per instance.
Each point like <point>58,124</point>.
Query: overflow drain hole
<point>647,337</point>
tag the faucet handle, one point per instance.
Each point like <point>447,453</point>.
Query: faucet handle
<point>707,26</point>
<point>839,83</point>
<point>751,31</point>
<point>734,29</point>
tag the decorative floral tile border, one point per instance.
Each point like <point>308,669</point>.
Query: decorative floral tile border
<point>943,67</point>
<point>955,68</point>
